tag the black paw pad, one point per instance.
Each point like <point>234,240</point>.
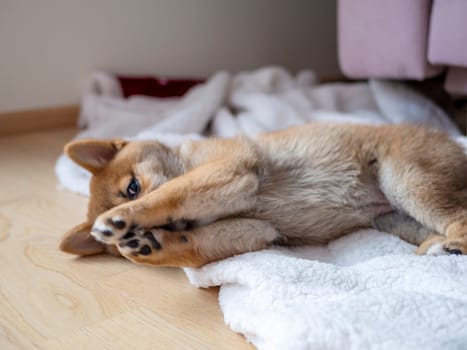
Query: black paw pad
<point>129,235</point>
<point>156,245</point>
<point>179,225</point>
<point>134,243</point>
<point>118,224</point>
<point>145,250</point>
<point>107,233</point>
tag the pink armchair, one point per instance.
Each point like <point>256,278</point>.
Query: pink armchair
<point>402,39</point>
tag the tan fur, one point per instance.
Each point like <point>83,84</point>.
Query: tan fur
<point>308,184</point>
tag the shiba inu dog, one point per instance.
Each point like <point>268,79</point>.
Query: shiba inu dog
<point>207,200</point>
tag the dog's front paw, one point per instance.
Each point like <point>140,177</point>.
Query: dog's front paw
<point>112,226</point>
<point>140,243</point>
<point>160,247</point>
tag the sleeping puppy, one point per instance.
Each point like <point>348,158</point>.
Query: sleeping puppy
<point>207,200</point>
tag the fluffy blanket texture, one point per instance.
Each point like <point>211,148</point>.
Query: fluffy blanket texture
<point>364,291</point>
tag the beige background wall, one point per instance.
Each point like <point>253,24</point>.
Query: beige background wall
<point>48,46</point>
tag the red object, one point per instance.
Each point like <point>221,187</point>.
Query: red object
<point>156,86</point>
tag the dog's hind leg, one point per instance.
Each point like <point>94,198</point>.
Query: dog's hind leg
<point>197,247</point>
<point>402,226</point>
<point>410,230</point>
<point>429,186</point>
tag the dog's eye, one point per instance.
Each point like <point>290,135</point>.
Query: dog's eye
<point>133,189</point>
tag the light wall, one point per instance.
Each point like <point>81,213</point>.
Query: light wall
<point>47,47</point>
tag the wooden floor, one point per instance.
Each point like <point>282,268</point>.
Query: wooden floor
<point>51,300</point>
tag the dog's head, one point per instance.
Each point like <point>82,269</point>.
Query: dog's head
<point>121,171</point>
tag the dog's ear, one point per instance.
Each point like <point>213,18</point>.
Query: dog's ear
<point>80,242</point>
<point>93,155</point>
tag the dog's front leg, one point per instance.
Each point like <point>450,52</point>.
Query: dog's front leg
<point>197,247</point>
<point>211,191</point>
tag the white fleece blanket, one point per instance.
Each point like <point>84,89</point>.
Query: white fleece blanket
<point>364,291</point>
